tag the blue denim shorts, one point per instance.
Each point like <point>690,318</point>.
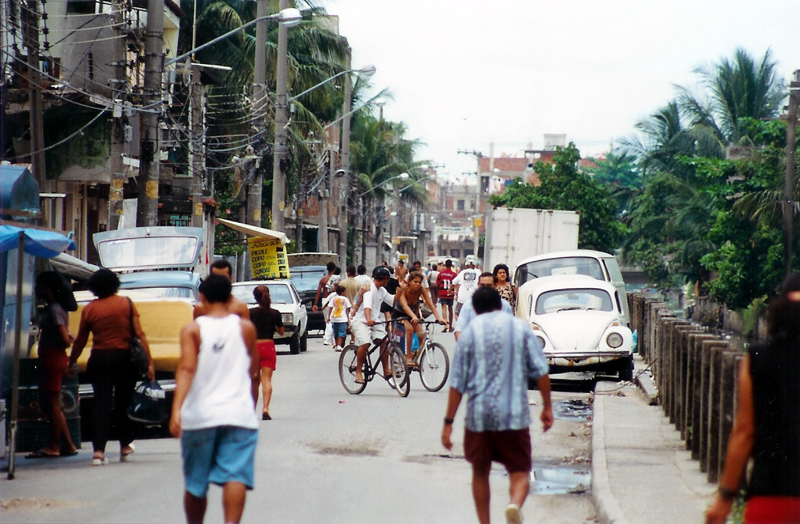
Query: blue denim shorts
<point>339,329</point>
<point>220,455</point>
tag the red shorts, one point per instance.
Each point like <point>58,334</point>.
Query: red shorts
<point>53,362</point>
<point>267,357</point>
<point>511,448</point>
<point>772,510</point>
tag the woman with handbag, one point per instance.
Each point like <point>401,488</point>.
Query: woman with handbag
<point>113,321</point>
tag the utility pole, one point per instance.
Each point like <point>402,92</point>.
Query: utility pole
<point>119,91</point>
<point>29,18</point>
<point>789,203</point>
<point>195,144</point>
<point>150,150</point>
<point>281,118</point>
<point>475,228</point>
<point>344,186</point>
<point>260,108</point>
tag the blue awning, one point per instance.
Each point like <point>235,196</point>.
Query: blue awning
<point>38,242</point>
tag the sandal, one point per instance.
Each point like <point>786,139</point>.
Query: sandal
<point>99,459</point>
<point>41,454</point>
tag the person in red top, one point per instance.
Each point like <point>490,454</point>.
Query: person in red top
<point>444,281</point>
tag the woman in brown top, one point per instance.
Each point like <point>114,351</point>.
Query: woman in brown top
<point>268,321</point>
<point>408,302</point>
<point>507,290</point>
<point>113,376</point>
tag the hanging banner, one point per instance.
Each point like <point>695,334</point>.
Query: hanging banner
<point>267,258</point>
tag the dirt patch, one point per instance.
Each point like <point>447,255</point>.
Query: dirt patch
<point>348,449</point>
<point>34,504</point>
<point>430,459</point>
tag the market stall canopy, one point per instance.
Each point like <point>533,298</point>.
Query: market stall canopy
<point>74,268</point>
<point>254,231</point>
<point>38,242</point>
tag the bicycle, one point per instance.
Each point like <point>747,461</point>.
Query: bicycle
<point>397,366</point>
<point>431,361</point>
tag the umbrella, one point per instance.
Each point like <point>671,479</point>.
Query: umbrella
<point>40,243</point>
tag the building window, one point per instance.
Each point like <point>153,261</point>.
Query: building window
<point>460,205</point>
<point>455,253</point>
<point>178,221</point>
<point>81,7</point>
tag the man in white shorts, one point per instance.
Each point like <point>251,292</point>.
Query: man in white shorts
<point>363,325</point>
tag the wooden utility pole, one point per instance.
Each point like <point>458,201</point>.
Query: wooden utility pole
<point>118,86</point>
<point>281,118</point>
<point>789,204</point>
<point>150,150</point>
<point>195,145</point>
<point>29,17</point>
<point>344,184</point>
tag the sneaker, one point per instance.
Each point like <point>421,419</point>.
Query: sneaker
<point>513,516</point>
<point>337,348</point>
<point>327,342</point>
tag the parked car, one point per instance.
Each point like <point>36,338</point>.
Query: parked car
<point>286,300</point>
<point>596,264</point>
<point>305,270</point>
<point>579,322</point>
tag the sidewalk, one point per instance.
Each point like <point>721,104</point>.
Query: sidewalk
<point>641,471</point>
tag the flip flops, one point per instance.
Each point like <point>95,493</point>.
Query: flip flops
<point>41,454</point>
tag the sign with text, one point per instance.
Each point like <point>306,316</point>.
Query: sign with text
<point>267,258</point>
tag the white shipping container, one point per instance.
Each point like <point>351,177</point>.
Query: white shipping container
<point>516,234</point>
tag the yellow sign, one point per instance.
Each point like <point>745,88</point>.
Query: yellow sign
<point>267,258</point>
<point>477,221</point>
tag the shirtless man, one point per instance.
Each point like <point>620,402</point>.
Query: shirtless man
<point>400,271</point>
<point>223,267</point>
<point>322,287</point>
<point>408,302</point>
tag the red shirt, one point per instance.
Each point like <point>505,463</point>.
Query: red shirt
<point>444,281</point>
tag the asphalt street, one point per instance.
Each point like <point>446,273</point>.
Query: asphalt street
<point>327,456</point>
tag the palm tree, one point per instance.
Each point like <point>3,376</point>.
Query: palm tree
<point>738,88</point>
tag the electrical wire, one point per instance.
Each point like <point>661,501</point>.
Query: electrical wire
<point>70,137</point>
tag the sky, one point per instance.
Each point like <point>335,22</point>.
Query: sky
<point>464,73</point>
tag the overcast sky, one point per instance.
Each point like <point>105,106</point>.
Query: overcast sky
<point>465,73</point>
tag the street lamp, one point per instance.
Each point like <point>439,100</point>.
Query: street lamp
<point>288,17</point>
<point>367,70</point>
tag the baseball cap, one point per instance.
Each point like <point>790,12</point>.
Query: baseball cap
<point>381,273</point>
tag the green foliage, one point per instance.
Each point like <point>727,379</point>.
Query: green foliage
<point>618,170</point>
<point>564,187</point>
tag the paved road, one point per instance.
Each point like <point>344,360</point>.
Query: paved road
<point>326,457</point>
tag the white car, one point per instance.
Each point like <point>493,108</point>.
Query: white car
<point>579,322</point>
<point>286,300</point>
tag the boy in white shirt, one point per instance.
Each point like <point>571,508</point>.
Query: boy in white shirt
<point>338,314</point>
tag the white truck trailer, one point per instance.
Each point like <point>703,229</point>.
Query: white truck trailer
<point>516,234</point>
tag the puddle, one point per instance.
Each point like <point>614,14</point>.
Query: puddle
<point>576,410</point>
<point>560,481</point>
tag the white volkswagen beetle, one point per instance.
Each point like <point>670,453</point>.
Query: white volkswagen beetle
<point>578,320</point>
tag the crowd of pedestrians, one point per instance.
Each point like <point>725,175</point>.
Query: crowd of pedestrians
<point>228,355</point>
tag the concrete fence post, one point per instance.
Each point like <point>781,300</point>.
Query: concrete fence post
<point>694,390</point>
<point>728,391</point>
<point>714,414</point>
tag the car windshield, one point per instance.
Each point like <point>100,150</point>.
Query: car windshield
<point>150,293</point>
<point>279,293</point>
<point>560,266</point>
<point>176,251</point>
<point>306,280</point>
<point>573,299</point>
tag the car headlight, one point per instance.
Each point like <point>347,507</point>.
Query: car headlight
<point>287,318</point>
<point>614,340</point>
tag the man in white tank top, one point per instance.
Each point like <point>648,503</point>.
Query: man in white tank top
<point>214,411</point>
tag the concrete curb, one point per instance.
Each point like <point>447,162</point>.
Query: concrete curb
<point>605,502</point>
<point>645,381</point>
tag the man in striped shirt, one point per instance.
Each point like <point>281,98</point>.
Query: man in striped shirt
<point>496,356</point>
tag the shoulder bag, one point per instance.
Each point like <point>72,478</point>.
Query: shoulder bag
<point>138,354</point>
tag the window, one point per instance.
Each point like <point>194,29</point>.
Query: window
<point>81,7</point>
<point>455,253</point>
<point>460,205</point>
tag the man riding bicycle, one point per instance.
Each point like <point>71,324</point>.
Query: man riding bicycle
<point>363,325</point>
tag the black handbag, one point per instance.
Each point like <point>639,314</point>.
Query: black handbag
<point>148,403</point>
<point>138,355</point>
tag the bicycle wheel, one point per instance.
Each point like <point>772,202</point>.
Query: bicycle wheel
<point>347,370</point>
<point>434,367</point>
<point>399,369</point>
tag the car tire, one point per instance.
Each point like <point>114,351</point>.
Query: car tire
<point>626,371</point>
<point>294,344</point>
<point>304,342</point>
